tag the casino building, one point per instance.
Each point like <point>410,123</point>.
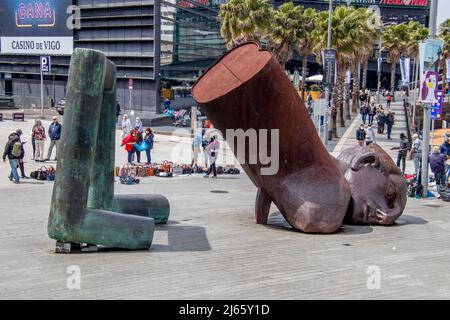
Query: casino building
<point>157,43</point>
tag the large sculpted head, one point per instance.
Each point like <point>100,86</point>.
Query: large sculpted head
<point>378,188</point>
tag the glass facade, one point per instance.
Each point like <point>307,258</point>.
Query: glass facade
<point>190,38</point>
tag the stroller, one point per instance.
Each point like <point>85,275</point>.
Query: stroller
<point>179,117</point>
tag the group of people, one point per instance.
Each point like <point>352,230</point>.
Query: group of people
<point>15,151</point>
<point>438,159</point>
<point>137,139</point>
<point>210,149</point>
<point>370,112</point>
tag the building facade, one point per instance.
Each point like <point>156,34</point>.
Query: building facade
<point>167,43</point>
<point>128,32</point>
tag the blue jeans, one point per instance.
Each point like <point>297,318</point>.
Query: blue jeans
<point>417,164</point>
<point>364,117</point>
<point>149,157</point>
<point>439,176</point>
<point>14,174</point>
<point>130,156</point>
<point>389,131</point>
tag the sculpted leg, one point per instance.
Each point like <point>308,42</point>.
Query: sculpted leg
<point>262,206</point>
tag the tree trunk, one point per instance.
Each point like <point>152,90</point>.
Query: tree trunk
<point>364,76</point>
<point>339,96</point>
<point>355,95</point>
<point>393,65</point>
<point>304,66</point>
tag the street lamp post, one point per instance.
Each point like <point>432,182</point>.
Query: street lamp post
<point>327,131</point>
<point>427,110</point>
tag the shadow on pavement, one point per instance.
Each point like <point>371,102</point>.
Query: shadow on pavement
<point>182,238</point>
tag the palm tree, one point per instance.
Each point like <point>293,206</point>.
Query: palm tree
<point>444,34</point>
<point>395,40</point>
<point>244,20</point>
<point>285,32</point>
<point>370,31</point>
<point>306,42</point>
<point>348,37</point>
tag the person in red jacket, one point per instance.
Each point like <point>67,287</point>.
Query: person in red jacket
<point>129,141</point>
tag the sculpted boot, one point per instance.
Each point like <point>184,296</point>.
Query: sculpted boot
<point>247,89</point>
<point>83,207</point>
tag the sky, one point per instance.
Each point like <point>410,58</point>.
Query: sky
<point>443,11</point>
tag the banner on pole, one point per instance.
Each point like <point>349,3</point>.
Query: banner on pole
<point>348,77</point>
<point>329,67</point>
<point>447,63</point>
<point>405,67</point>
<point>430,51</point>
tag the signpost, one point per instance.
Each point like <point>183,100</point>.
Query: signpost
<point>430,52</point>
<point>130,88</point>
<point>329,78</point>
<point>45,69</point>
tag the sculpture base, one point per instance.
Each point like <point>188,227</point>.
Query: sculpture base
<point>72,247</point>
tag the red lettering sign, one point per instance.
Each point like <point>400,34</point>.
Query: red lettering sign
<point>418,3</point>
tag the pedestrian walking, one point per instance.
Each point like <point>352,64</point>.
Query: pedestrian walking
<point>372,110</point>
<point>22,157</point>
<point>33,140</point>
<point>388,99</point>
<point>381,120</point>
<point>402,152</point>
<point>437,165</point>
<point>213,152</point>
<point>39,137</point>
<point>126,126</point>
<point>416,154</point>
<point>149,138</point>
<point>138,125</point>
<point>364,110</point>
<point>139,140</point>
<point>128,142</point>
<point>197,147</point>
<point>13,151</point>
<point>389,123</point>
<point>445,150</point>
<point>370,135</point>
<point>361,135</point>
<point>54,133</point>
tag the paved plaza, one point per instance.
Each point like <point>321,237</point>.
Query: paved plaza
<point>213,249</point>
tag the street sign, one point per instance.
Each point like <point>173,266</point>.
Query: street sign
<point>329,67</point>
<point>436,108</point>
<point>130,84</point>
<point>46,65</point>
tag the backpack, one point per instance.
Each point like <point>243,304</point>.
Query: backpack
<point>17,150</point>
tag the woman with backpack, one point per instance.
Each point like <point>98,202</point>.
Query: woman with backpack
<point>149,138</point>
<point>39,137</point>
<point>13,151</point>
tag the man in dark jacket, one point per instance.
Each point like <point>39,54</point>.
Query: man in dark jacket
<point>381,120</point>
<point>445,150</point>
<point>54,132</point>
<point>364,110</point>
<point>13,150</point>
<point>389,124</point>
<point>437,165</point>
<point>402,152</point>
<point>361,135</point>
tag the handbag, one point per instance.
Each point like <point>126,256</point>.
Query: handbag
<point>51,173</point>
<point>40,174</point>
<point>141,147</point>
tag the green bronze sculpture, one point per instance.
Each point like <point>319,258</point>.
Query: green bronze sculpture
<point>84,209</point>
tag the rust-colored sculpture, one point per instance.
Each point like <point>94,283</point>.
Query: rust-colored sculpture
<point>377,185</point>
<point>247,89</point>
